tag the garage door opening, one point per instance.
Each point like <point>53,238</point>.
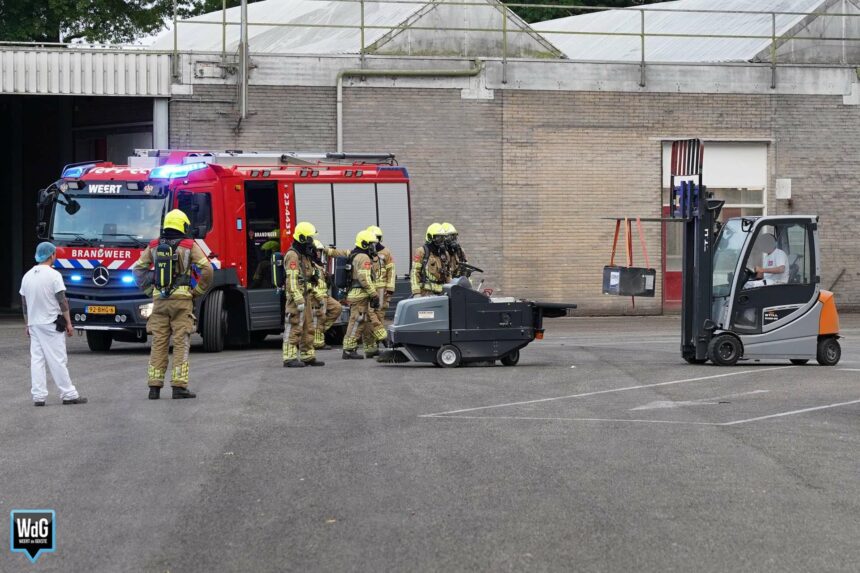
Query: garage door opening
<point>41,134</point>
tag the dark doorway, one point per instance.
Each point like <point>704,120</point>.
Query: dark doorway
<point>41,134</point>
<point>263,228</point>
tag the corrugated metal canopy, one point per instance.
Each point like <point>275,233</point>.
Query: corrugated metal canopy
<point>665,18</point>
<point>30,69</point>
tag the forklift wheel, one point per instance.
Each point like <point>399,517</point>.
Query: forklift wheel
<point>511,358</point>
<point>448,356</point>
<point>829,352</point>
<point>725,350</point>
<point>691,359</point>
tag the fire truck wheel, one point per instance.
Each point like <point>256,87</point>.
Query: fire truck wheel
<point>214,322</point>
<point>511,358</point>
<point>448,356</point>
<point>99,341</point>
<point>725,350</point>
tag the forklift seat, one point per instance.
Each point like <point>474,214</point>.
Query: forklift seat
<point>794,270</point>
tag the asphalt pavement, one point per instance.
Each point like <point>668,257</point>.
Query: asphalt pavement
<point>601,451</point>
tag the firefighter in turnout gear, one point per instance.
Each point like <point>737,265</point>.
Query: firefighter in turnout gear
<point>456,256</point>
<point>363,297</point>
<point>430,267</point>
<point>383,266</point>
<point>326,308</point>
<point>300,273</point>
<point>164,271</point>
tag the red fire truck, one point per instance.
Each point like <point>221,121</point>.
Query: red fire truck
<point>242,207</point>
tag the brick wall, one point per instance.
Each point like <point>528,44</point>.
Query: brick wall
<point>280,119</point>
<point>818,147</point>
<point>527,177</point>
<point>453,150</point>
<point>592,155</point>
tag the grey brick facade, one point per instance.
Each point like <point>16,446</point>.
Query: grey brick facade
<point>528,175</point>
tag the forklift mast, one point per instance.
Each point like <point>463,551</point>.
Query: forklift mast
<point>693,207</point>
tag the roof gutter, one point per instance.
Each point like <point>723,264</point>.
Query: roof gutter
<point>428,73</point>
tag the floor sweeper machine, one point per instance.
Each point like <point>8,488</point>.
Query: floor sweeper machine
<point>464,325</point>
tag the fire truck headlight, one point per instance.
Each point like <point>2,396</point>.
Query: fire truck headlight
<point>145,310</point>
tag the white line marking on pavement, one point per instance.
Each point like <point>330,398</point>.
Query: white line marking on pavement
<point>576,419</point>
<point>792,413</point>
<point>849,369</point>
<point>596,392</point>
<point>700,402</point>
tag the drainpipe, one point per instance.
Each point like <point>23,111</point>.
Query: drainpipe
<point>243,66</point>
<point>428,73</point>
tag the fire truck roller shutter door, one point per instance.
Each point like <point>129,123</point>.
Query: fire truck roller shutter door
<point>393,204</point>
<point>354,211</point>
<point>313,203</point>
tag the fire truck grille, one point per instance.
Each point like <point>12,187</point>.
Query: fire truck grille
<point>105,294</point>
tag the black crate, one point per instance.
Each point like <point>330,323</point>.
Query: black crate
<point>629,281</point>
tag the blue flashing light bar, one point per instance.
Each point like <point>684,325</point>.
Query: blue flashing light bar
<point>127,279</point>
<point>76,278</point>
<point>75,172</point>
<point>174,171</point>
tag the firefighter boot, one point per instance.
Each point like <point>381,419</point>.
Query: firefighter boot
<point>180,393</point>
<point>352,354</point>
<point>294,363</point>
<point>154,392</point>
<point>371,350</point>
<point>314,362</point>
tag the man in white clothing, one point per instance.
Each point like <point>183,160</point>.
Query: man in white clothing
<point>46,313</point>
<point>774,264</point>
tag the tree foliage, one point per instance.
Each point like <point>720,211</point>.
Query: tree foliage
<point>97,21</point>
<point>539,14</point>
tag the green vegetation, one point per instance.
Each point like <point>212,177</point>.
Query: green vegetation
<point>109,21</point>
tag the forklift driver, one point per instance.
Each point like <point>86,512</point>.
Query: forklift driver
<point>774,264</point>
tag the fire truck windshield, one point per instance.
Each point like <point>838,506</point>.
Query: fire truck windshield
<point>110,220</point>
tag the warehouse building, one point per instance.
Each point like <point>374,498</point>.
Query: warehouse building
<point>525,137</point>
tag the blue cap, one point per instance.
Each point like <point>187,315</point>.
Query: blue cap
<point>44,251</point>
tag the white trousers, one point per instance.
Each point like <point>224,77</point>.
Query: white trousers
<point>49,346</point>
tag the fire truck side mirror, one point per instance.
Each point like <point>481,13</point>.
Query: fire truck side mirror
<point>72,207</point>
<point>42,230</point>
<point>45,198</point>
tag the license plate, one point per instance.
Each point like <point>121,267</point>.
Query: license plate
<point>101,310</point>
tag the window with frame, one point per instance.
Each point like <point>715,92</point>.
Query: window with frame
<point>198,207</point>
<point>783,245</point>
